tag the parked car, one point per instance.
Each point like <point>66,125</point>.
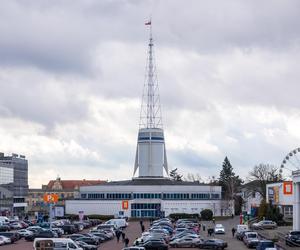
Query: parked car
<point>213,244</point>
<point>55,243</point>
<point>42,234</point>
<point>25,232</point>
<point>186,241</point>
<point>154,245</point>
<point>264,224</point>
<point>88,240</point>
<point>86,246</point>
<point>240,229</point>
<point>4,240</point>
<point>12,235</point>
<point>251,239</point>
<point>133,248</point>
<point>69,229</point>
<point>293,238</point>
<point>264,244</point>
<point>4,228</point>
<point>219,229</point>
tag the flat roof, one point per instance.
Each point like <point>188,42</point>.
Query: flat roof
<point>144,181</point>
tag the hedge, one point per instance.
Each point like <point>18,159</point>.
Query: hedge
<point>176,216</point>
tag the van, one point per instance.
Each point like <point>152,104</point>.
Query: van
<point>240,229</point>
<point>55,244</point>
<point>119,223</point>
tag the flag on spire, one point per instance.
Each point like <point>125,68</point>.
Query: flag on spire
<point>148,23</point>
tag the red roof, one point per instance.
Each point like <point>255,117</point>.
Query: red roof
<point>73,184</point>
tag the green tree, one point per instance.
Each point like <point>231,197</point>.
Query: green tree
<point>175,176</point>
<point>206,214</point>
<point>262,210</point>
<point>229,180</point>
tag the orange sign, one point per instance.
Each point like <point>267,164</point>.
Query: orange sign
<point>288,187</point>
<point>50,198</point>
<point>124,205</point>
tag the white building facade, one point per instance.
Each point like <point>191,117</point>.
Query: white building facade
<point>146,198</point>
<point>281,195</point>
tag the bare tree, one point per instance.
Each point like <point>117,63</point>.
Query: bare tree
<point>193,177</point>
<point>261,175</point>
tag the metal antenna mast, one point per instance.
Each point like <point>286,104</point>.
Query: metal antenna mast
<point>150,116</point>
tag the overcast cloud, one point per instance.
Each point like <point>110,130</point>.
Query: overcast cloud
<point>72,72</point>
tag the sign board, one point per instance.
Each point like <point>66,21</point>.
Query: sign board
<point>124,205</point>
<point>287,187</point>
<point>59,211</point>
<point>273,194</point>
<point>50,198</point>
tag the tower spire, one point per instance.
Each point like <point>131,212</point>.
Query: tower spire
<point>150,116</point>
<point>150,157</point>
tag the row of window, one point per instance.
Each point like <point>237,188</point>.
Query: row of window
<point>145,206</point>
<point>146,196</point>
<point>164,196</point>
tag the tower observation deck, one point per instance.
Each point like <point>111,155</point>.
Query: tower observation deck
<point>151,156</point>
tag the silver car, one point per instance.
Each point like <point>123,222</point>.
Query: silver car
<point>186,241</point>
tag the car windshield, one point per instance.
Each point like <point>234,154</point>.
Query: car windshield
<point>295,233</point>
<point>252,236</point>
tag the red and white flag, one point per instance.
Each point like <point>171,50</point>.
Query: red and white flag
<point>148,23</point>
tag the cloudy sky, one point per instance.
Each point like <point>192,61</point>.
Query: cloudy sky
<point>72,72</point>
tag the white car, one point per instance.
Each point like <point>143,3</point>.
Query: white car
<point>219,229</point>
<point>25,232</point>
<point>4,239</point>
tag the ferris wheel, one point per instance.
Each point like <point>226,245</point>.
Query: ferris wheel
<point>290,163</point>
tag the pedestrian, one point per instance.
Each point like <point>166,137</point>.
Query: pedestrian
<point>141,223</point>
<point>203,227</point>
<point>214,220</point>
<point>143,228</point>
<point>232,216</point>
<point>118,234</point>
<point>123,236</point>
<point>126,241</point>
<point>233,230</point>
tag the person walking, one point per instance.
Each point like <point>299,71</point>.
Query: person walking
<point>233,230</point>
<point>123,236</point>
<point>118,234</point>
<point>203,227</point>
<point>214,220</point>
<point>143,228</point>
<point>126,241</point>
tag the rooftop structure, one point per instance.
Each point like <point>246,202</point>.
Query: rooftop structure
<point>151,156</point>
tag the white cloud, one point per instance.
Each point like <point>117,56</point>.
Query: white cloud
<point>71,79</point>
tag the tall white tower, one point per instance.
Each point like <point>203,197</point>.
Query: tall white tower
<point>151,156</point>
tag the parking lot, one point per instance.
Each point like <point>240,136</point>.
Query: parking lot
<point>133,231</point>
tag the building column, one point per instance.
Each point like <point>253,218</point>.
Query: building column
<point>296,206</point>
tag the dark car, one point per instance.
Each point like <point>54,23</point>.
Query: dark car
<point>4,228</point>
<point>88,240</point>
<point>263,244</point>
<point>213,244</point>
<point>76,236</point>
<point>293,238</point>
<point>154,245</point>
<point>86,246</point>
<point>69,229</point>
<point>41,234</point>
<point>12,235</point>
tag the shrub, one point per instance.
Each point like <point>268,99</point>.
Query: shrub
<point>206,214</point>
